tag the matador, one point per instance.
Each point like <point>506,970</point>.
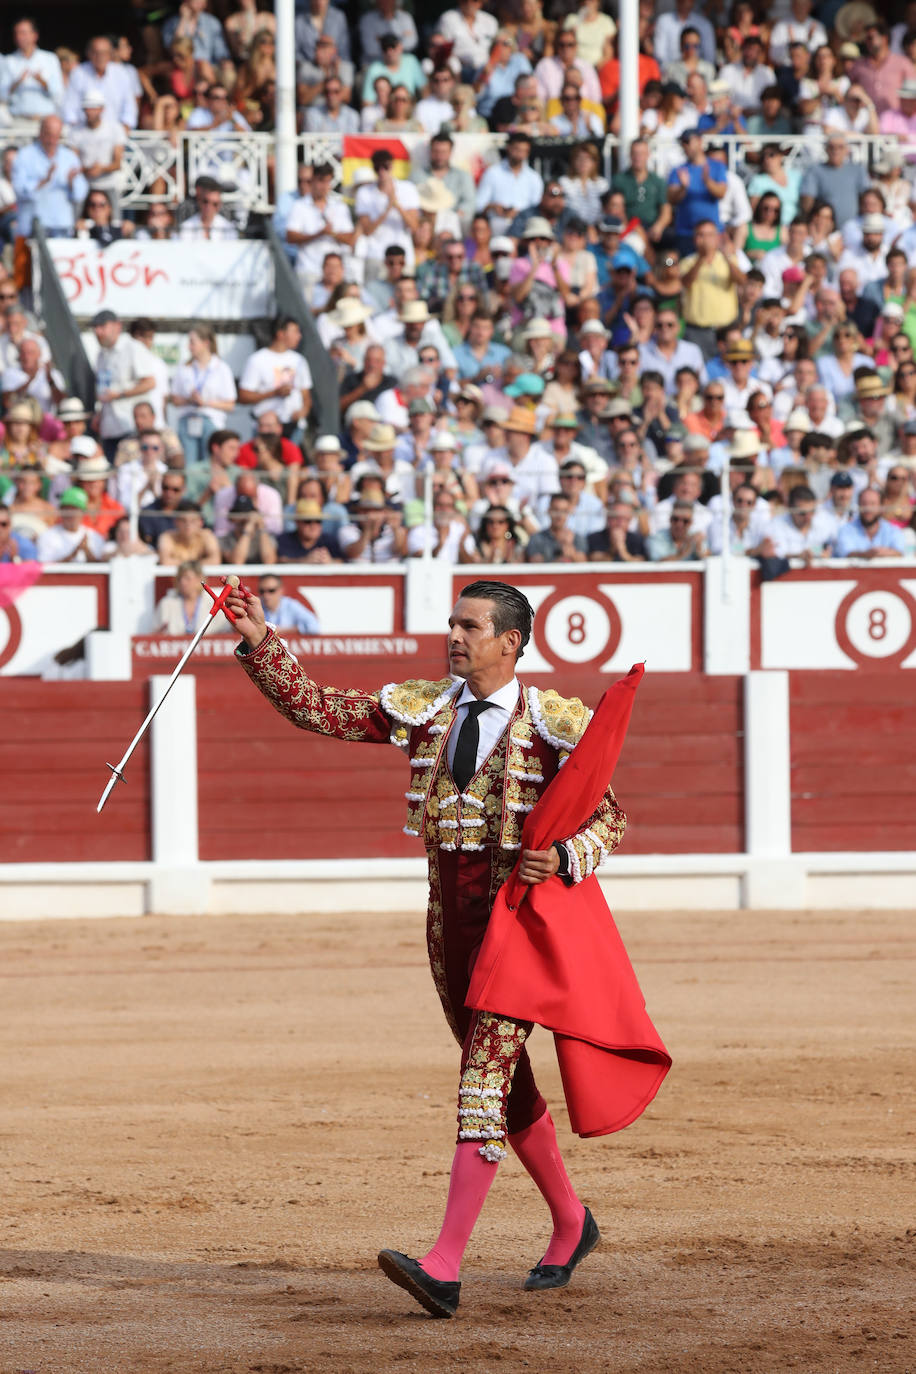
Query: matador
<point>482,748</point>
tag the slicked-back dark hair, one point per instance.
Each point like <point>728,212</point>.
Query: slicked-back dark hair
<point>511,608</point>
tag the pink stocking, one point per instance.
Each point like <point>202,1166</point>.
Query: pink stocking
<point>537,1148</point>
<point>468,1187</point>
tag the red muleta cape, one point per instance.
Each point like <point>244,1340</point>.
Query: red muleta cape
<point>552,954</point>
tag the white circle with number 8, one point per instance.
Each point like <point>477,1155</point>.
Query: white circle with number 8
<point>879,624</point>
<point>577,629</point>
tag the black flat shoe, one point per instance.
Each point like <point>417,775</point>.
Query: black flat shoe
<point>438,1296</point>
<point>558,1275</point>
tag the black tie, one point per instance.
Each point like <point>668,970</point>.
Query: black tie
<point>465,763</point>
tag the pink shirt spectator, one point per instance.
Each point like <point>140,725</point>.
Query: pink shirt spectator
<point>896,122</point>
<point>268,502</point>
<point>545,274</point>
<point>550,74</point>
<point>882,81</point>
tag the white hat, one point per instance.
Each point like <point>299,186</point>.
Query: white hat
<point>719,87</point>
<point>593,327</point>
<point>893,309</point>
<point>328,443</point>
<point>362,176</point>
<point>695,442</point>
<point>361,410</point>
<point>442,439</point>
<point>537,329</point>
<point>502,244</point>
<point>434,196</point>
<point>414,312</point>
<point>72,409</point>
<point>347,312</point>
<point>873,224</point>
<point>91,469</point>
<point>83,446</point>
<point>94,99</point>
<point>808,89</point>
<point>798,419</point>
<point>538,228</point>
<point>907,90</point>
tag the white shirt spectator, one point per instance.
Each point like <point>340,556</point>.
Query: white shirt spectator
<point>214,382</point>
<point>57,544</point>
<point>789,541</point>
<point>423,537</point>
<point>756,528</point>
<point>97,146</point>
<point>267,369</point>
<point>21,90</point>
<point>810,31</point>
<point>535,476</point>
<point>471,43</point>
<point>306,218</point>
<point>119,368</point>
<point>221,230</point>
<point>432,113</point>
<point>116,86</point>
<point>661,517</point>
<point>371,202</point>
<point>747,83</point>
<point>868,267</point>
<point>736,398</point>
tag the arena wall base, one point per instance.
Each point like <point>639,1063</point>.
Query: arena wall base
<point>690,882</point>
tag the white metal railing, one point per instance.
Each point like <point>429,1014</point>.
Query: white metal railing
<point>162,167</point>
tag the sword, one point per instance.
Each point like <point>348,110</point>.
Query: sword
<point>219,604</point>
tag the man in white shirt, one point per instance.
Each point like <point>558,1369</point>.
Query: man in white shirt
<point>534,470</point>
<point>278,378</point>
<point>71,541</point>
<point>103,74</point>
<point>470,30</point>
<point>100,146</point>
<point>31,82</point>
<point>318,223</point>
<point>740,383</point>
<point>218,117</point>
<point>387,211</point>
<point>436,109</point>
<point>749,78</point>
<point>803,532</point>
<point>208,223</point>
<point>666,353</point>
<point>800,28</point>
<point>124,370</point>
<point>688,486</point>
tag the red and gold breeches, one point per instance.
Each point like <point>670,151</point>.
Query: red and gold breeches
<point>497,1093</point>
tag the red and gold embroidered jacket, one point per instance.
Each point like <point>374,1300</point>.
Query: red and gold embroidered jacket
<point>416,716</point>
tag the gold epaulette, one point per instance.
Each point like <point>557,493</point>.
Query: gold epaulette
<point>416,702</point>
<point>561,721</point>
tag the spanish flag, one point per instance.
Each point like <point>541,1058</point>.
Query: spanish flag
<point>358,150</point>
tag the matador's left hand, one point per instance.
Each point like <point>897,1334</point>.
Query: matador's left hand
<point>538,864</point>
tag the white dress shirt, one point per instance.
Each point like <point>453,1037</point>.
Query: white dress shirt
<point>492,724</point>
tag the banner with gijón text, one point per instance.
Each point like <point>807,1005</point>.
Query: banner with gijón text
<point>173,280</point>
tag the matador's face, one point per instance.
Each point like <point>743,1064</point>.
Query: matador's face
<point>473,645</point>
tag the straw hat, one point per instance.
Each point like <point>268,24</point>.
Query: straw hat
<point>92,469</point>
<point>443,440</point>
<point>872,386</point>
<point>798,419</point>
<point>19,411</point>
<point>746,444</point>
<point>414,312</point>
<point>434,196</point>
<point>381,438</point>
<point>520,420</point>
<point>537,328</point>
<point>538,228</point>
<point>742,350</point>
<point>308,510</point>
<point>72,409</point>
<point>348,312</point>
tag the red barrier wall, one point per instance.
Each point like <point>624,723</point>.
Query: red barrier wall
<point>56,740</point>
<point>268,791</point>
<point>853,776</point>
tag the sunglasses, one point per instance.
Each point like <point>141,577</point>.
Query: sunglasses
<point>269,591</point>
<point>166,487</point>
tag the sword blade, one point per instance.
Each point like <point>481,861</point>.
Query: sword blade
<point>117,772</point>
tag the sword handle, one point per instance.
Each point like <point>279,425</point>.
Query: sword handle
<point>219,598</point>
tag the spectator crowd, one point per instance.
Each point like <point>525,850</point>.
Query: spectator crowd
<point>546,358</point>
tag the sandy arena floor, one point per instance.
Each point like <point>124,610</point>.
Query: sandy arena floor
<point>209,1128</point>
